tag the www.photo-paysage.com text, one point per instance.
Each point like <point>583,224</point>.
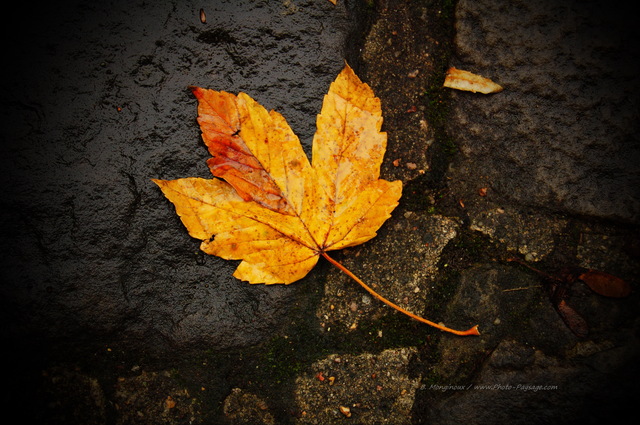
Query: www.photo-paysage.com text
<point>493,387</point>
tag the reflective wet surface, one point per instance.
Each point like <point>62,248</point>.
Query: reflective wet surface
<point>98,104</point>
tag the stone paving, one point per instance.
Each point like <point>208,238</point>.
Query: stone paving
<point>545,171</point>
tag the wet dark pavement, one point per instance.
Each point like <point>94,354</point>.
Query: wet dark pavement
<point>97,107</point>
<point>113,316</point>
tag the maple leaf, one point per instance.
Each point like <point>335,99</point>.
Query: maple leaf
<point>272,208</point>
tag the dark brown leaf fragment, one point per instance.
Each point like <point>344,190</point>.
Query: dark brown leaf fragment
<point>605,284</point>
<point>572,319</point>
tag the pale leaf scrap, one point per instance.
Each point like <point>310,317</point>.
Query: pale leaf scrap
<point>468,81</point>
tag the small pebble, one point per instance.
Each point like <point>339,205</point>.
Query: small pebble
<point>345,411</point>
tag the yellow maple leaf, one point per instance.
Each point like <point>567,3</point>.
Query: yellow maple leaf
<point>273,209</point>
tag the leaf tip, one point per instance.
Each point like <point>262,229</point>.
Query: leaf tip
<point>197,91</point>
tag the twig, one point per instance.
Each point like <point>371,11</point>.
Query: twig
<point>521,288</point>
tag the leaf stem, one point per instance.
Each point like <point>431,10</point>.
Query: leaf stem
<point>471,331</point>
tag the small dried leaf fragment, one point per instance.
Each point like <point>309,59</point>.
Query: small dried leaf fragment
<point>468,81</point>
<point>572,319</point>
<point>169,402</point>
<point>605,284</point>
